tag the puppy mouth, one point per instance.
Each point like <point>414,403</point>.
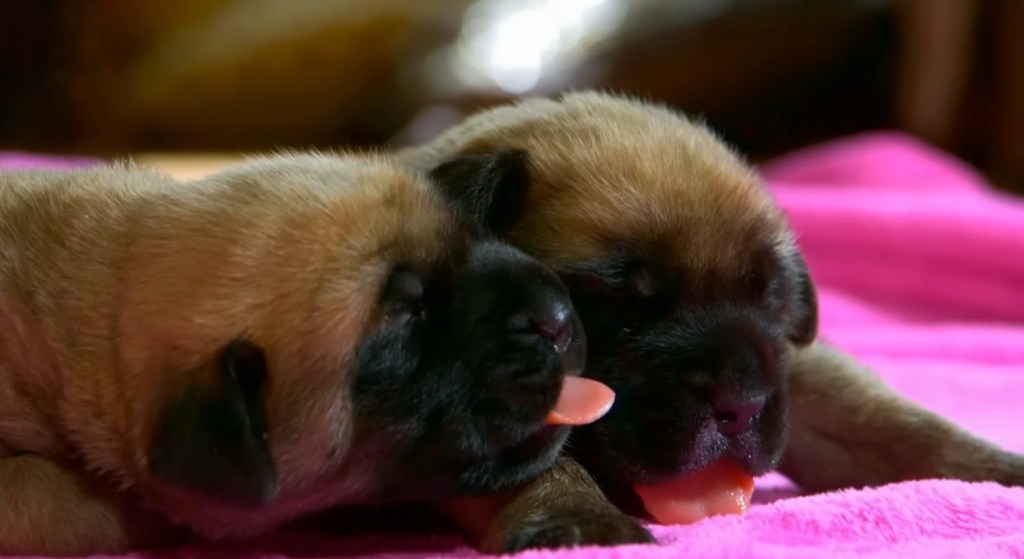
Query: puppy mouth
<point>615,450</point>
<point>529,406</point>
<point>535,446</point>
<point>742,449</point>
<point>701,396</point>
<point>720,488</point>
<point>715,478</point>
<point>580,401</point>
<point>749,450</point>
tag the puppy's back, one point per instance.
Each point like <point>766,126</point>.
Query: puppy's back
<point>59,234</point>
<point>47,216</point>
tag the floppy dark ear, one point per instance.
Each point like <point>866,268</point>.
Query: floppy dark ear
<point>802,322</point>
<point>212,440</point>
<point>487,189</point>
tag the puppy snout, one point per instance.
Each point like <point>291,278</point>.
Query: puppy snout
<point>551,318</point>
<point>524,298</point>
<point>735,414</point>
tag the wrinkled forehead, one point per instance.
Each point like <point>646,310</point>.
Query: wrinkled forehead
<point>616,202</point>
<point>349,239</point>
<point>405,224</point>
<point>337,259</point>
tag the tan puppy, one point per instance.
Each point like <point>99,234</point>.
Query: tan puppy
<point>229,353</point>
<point>698,308</point>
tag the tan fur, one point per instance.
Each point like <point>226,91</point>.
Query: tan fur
<point>571,142</point>
<point>702,210</point>
<point>103,313</point>
<point>850,429</point>
<point>53,510</point>
<point>563,500</point>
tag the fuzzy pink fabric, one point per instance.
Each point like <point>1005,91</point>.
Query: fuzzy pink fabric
<point>921,273</point>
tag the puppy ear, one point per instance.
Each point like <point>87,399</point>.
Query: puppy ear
<point>212,440</point>
<point>802,322</point>
<point>488,189</point>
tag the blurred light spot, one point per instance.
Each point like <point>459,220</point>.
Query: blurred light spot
<point>514,44</point>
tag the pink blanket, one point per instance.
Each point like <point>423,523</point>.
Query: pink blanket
<point>921,273</point>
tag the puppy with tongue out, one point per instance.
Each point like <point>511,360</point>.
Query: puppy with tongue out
<point>684,274</point>
<point>699,313</point>
<point>723,487</point>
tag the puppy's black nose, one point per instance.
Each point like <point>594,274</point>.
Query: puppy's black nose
<point>510,294</point>
<point>550,316</point>
<point>734,415</point>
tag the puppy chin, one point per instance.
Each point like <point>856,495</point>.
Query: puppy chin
<point>515,464</point>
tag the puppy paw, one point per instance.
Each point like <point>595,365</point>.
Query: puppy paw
<point>560,528</point>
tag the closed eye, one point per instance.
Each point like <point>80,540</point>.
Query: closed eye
<point>640,280</point>
<point>620,279</point>
<point>403,294</point>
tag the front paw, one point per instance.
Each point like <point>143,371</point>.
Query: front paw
<point>560,528</point>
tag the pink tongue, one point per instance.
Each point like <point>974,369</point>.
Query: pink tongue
<point>721,488</point>
<point>581,401</point>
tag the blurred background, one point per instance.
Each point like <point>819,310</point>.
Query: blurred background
<point>110,77</point>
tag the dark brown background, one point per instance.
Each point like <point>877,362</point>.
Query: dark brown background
<point>121,76</point>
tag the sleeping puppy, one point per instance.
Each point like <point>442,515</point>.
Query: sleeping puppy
<point>699,311</point>
<point>229,353</point>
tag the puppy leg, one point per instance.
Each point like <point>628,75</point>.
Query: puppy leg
<point>563,508</point>
<point>46,509</point>
<point>849,429</point>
